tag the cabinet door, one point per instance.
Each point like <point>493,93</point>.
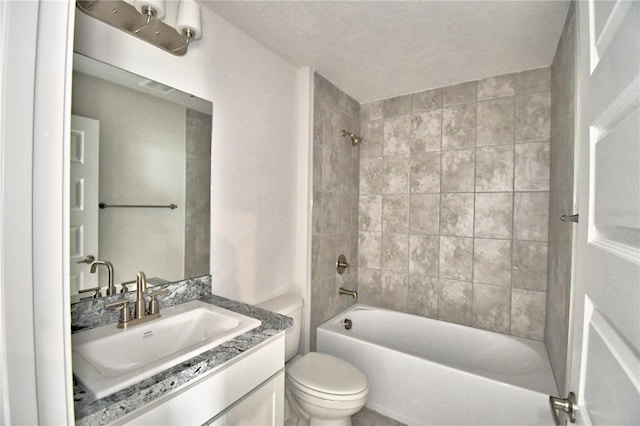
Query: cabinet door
<point>263,406</point>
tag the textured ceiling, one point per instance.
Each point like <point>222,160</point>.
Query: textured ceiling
<point>378,49</point>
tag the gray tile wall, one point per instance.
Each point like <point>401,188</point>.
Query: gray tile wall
<point>561,199</point>
<point>197,194</point>
<point>453,203</point>
<point>335,201</point>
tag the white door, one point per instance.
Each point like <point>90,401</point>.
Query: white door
<point>605,330</point>
<point>84,159</point>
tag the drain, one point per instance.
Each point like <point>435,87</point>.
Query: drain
<point>347,323</point>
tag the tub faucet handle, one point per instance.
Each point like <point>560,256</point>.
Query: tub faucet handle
<point>342,264</point>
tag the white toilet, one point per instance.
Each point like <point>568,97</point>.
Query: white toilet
<point>320,389</point>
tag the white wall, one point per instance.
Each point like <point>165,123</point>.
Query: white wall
<point>254,155</point>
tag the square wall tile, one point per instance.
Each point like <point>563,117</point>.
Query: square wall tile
<point>456,258</point>
<point>492,262</point>
<point>326,255</point>
<point>455,301</point>
<point>531,216</point>
<point>426,131</point>
<point>493,215</point>
<point>492,308</point>
<point>497,87</point>
<point>494,168</point>
<point>329,219</point>
<point>395,213</point>
<point>373,139</point>
<point>461,93</point>
<point>396,173</point>
<point>369,283</point>
<point>527,314</point>
<point>425,173</point>
<point>393,291</point>
<point>397,135</point>
<point>533,162</point>
<point>322,290</point>
<point>424,214</point>
<point>496,121</point>
<point>530,265</point>
<point>400,105</point>
<point>370,213</point>
<point>534,80</point>
<point>533,117</point>
<point>423,255</point>
<point>395,252</point>
<point>371,176</point>
<point>369,250</point>
<point>331,162</point>
<point>348,215</point>
<point>371,111</point>
<point>456,214</point>
<point>459,126</point>
<point>458,171</point>
<point>423,296</point>
<point>427,100</point>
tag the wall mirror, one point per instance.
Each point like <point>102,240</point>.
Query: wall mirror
<point>140,170</point>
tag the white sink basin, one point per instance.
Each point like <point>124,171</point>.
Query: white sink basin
<point>108,359</point>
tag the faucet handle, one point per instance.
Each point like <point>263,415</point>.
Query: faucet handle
<point>124,286</point>
<point>125,313</point>
<point>89,259</point>
<point>96,292</point>
<point>153,303</point>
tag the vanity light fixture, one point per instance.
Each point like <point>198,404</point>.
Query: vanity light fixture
<point>145,19</point>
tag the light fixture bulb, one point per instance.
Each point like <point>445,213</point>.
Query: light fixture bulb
<point>189,20</point>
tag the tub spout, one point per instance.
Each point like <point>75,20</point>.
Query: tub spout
<point>351,293</point>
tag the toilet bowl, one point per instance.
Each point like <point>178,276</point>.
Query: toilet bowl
<point>320,389</point>
<point>327,389</point>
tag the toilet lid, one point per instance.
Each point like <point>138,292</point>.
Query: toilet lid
<point>328,374</point>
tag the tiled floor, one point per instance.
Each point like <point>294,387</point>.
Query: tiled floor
<point>367,417</point>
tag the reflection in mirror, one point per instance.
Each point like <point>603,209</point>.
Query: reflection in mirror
<point>137,146</point>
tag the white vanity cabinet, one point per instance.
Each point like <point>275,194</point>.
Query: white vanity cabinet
<point>247,390</point>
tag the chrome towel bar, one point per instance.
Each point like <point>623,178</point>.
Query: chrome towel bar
<point>109,206</point>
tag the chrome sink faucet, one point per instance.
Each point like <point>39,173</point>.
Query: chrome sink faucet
<point>140,314</point>
<point>111,290</point>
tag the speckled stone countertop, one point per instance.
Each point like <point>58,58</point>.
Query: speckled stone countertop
<point>89,411</point>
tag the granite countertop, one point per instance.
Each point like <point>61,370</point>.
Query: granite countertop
<point>89,411</point>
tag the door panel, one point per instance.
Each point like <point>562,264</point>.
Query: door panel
<point>611,374</point>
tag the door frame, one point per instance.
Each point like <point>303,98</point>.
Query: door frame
<point>51,298</point>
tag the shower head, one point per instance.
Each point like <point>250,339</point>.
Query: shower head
<point>355,140</point>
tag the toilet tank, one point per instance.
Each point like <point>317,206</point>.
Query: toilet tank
<point>290,305</point>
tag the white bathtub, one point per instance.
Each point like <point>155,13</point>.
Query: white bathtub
<point>428,372</point>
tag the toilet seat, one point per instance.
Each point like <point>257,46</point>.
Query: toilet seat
<point>328,378</point>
